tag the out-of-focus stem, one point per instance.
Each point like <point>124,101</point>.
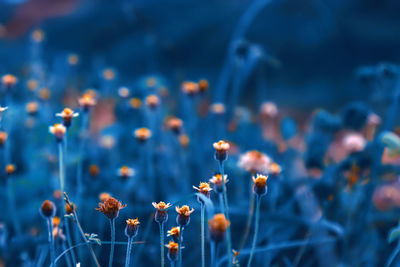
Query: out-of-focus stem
<point>162,243</point>
<point>203,259</point>
<point>51,240</point>
<point>128,252</point>
<point>226,213</point>
<point>257,223</point>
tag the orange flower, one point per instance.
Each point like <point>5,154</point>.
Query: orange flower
<point>10,169</point>
<point>190,88</point>
<point>204,188</point>
<point>221,149</point>
<point>260,184</point>
<point>254,161</point>
<point>161,215</point>
<point>172,250</point>
<point>152,101</point>
<point>9,80</point>
<point>132,226</point>
<point>203,85</point>
<point>110,208</point>
<point>183,217</point>
<point>67,114</point>
<point>48,209</point>
<point>125,172</point>
<point>174,233</point>
<point>217,226</point>
<point>87,101</point>
<point>142,134</point>
<point>217,181</point>
<point>58,130</point>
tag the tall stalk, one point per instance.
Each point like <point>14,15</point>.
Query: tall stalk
<point>51,240</point>
<point>226,213</point>
<point>203,259</point>
<point>128,252</point>
<point>162,243</point>
<point>112,225</point>
<point>180,246</point>
<point>257,223</point>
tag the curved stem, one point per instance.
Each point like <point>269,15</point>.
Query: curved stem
<point>112,225</point>
<point>51,240</point>
<point>86,241</point>
<point>257,223</point>
<point>69,242</point>
<point>226,213</point>
<point>203,259</point>
<point>162,243</point>
<point>128,252</point>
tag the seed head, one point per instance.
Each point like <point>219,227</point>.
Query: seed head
<point>204,188</point>
<point>67,114</point>
<point>142,134</point>
<point>174,233</point>
<point>125,172</point>
<point>87,101</point>
<point>183,217</point>
<point>10,169</point>
<point>221,150</point>
<point>174,124</point>
<point>260,184</point>
<point>152,101</point>
<point>48,209</point>
<point>203,86</point>
<point>190,88</point>
<point>3,138</point>
<point>172,250</point>
<point>216,180</point>
<point>58,130</point>
<point>132,227</point>
<point>161,215</point>
<point>9,80</point>
<point>217,226</point>
<point>110,208</point>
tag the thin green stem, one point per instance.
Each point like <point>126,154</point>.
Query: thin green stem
<point>162,243</point>
<point>128,252</point>
<point>51,240</point>
<point>257,223</point>
<point>112,225</point>
<point>203,258</point>
<point>226,213</point>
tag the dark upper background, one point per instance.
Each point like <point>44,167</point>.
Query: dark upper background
<point>319,43</point>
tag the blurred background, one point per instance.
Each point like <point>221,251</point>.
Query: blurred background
<point>312,44</point>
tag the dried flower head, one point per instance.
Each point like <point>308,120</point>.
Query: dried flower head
<point>44,94</point>
<point>108,74</point>
<point>57,194</point>
<point>260,184</point>
<point>172,251</point>
<point>161,215</point>
<point>110,208</point>
<point>125,172</point>
<point>104,196</point>
<point>216,180</point>
<point>9,80</point>
<point>56,221</point>
<point>132,227</point>
<point>254,161</point>
<point>3,138</point>
<point>183,217</point>
<point>174,233</point>
<point>10,169</point>
<point>221,150</point>
<point>87,101</point>
<point>174,124</point>
<point>67,114</point>
<point>152,101</point>
<point>184,140</point>
<point>32,108</point>
<point>190,88</point>
<point>70,208</point>
<point>217,108</point>
<point>94,170</point>
<point>217,226</point>
<point>274,169</point>
<point>204,188</point>
<point>203,86</point>
<point>58,130</point>
<point>142,134</point>
<point>32,85</point>
<point>73,59</point>
<point>48,209</point>
<point>269,110</point>
<point>124,92</point>
<point>135,102</point>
